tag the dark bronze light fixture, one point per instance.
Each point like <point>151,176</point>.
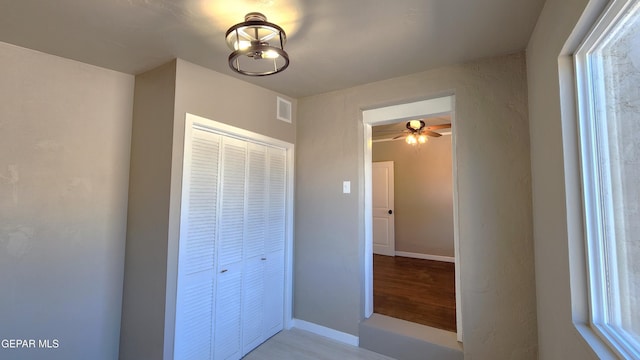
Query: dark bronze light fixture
<point>419,133</point>
<point>416,136</point>
<point>258,46</point>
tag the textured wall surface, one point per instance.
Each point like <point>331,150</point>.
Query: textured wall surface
<point>423,196</point>
<point>222,98</point>
<point>492,145</point>
<point>65,131</point>
<point>145,278</point>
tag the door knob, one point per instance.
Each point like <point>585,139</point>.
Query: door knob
<point>223,271</point>
<point>390,212</point>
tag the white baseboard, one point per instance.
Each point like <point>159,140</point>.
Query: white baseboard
<point>426,256</point>
<point>326,332</point>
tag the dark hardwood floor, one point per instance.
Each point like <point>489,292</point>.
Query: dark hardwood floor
<point>416,290</point>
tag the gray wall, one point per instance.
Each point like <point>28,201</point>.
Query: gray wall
<point>65,130</point>
<point>557,215</point>
<point>492,145</point>
<point>163,96</point>
<point>423,194</point>
<point>143,312</point>
<point>225,99</point>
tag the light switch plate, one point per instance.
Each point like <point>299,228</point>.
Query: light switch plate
<point>346,187</point>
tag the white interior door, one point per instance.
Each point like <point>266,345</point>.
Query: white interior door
<point>195,303</point>
<point>383,210</point>
<point>228,326</point>
<point>234,244</point>
<point>254,257</point>
<point>275,243</point>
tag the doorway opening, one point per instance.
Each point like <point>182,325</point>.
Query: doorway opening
<point>436,111</point>
<point>413,255</point>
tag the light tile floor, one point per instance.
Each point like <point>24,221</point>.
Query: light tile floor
<point>302,345</point>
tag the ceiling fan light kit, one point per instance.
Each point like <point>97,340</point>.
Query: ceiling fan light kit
<point>414,132</point>
<point>418,131</point>
<point>412,139</point>
<point>257,46</point>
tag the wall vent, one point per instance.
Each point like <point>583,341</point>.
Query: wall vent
<point>284,110</point>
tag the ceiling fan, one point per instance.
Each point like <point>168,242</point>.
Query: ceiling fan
<point>417,131</point>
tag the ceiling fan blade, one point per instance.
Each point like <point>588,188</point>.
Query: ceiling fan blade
<point>431,133</point>
<point>398,137</point>
<point>437,127</point>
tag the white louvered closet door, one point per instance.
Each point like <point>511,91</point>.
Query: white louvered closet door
<point>273,307</point>
<point>254,248</point>
<point>196,271</point>
<point>228,326</point>
<point>231,263</point>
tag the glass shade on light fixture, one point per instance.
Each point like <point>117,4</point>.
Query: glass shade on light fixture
<point>411,139</point>
<point>257,46</point>
<point>422,139</point>
<point>415,124</point>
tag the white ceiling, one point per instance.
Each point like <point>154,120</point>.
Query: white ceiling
<point>332,44</point>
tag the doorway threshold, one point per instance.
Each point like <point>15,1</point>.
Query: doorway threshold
<point>405,340</point>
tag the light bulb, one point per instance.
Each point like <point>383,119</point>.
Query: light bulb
<point>422,139</point>
<point>411,139</point>
<point>271,54</point>
<point>415,124</point>
<point>241,45</point>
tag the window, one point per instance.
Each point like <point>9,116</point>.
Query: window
<point>608,85</point>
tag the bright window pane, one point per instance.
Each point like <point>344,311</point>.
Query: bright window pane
<point>619,57</point>
<point>611,164</point>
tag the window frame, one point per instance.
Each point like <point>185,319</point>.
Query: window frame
<point>595,180</point>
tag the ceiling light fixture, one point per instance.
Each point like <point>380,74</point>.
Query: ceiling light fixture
<point>416,136</point>
<point>258,46</point>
